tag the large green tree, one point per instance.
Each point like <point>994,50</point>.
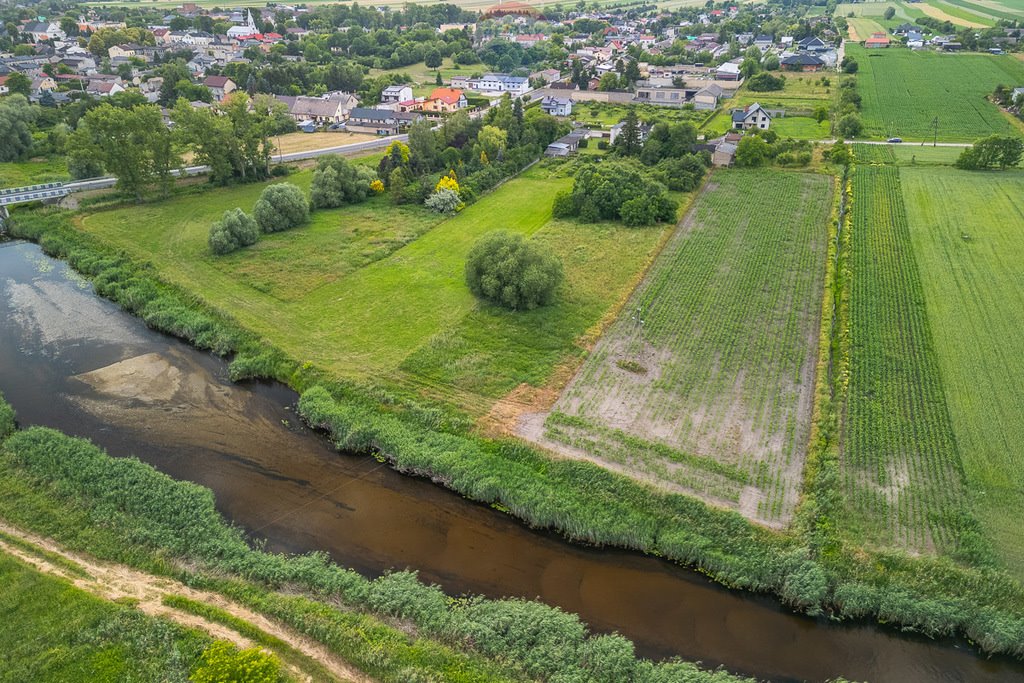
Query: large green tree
<point>16,117</point>
<point>133,144</point>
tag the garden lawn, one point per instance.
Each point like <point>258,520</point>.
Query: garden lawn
<point>55,632</point>
<point>903,91</point>
<point>967,229</point>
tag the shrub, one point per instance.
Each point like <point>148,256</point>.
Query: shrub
<point>444,200</point>
<point>505,269</point>
<point>850,126</point>
<point>765,82</point>
<point>222,661</point>
<point>337,182</point>
<point>6,418</point>
<point>235,230</point>
<point>281,207</point>
<point>752,151</point>
<point>280,171</point>
<point>850,66</point>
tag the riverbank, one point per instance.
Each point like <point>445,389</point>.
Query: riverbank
<point>581,501</point>
<point>393,628</point>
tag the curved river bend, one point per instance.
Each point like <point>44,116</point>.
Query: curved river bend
<point>73,361</point>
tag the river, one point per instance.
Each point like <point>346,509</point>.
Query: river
<point>73,361</point>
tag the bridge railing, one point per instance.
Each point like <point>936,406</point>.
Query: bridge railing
<point>29,188</point>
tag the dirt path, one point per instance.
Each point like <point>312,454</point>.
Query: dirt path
<point>114,582</point>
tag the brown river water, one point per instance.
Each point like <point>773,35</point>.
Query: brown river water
<point>73,361</point>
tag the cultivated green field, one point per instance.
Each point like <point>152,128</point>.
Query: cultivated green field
<point>904,91</point>
<point>55,632</point>
<point>705,381</point>
<point>374,291</point>
<point>902,474</point>
<point>907,155</point>
<point>967,232</point>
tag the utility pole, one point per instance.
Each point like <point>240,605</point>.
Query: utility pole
<point>935,136</point>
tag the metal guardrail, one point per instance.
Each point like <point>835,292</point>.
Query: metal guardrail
<point>29,188</point>
<point>28,196</point>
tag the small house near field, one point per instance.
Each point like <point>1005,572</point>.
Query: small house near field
<point>802,61</point>
<point>754,116</point>
<point>445,101</point>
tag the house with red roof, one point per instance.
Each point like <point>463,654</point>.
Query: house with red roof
<point>445,101</point>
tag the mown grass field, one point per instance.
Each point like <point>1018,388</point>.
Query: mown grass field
<point>903,92</point>
<point>907,155</point>
<point>966,229</point>
<point>376,292</point>
<point>902,473</point>
<point>704,383</point>
<point>55,632</point>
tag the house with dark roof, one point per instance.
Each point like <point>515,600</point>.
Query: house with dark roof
<point>812,44</point>
<point>220,86</point>
<point>802,61</point>
<point>753,116</point>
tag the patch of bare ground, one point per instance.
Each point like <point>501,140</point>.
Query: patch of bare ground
<point>146,592</point>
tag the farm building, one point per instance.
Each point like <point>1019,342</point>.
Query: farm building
<point>877,40</point>
<point>753,116</point>
<point>318,109</point>
<point>730,71</point>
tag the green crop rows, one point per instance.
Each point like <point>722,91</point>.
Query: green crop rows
<point>705,381</point>
<point>904,92</point>
<point>901,469</point>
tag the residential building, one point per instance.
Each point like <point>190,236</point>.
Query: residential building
<point>318,109</point>
<point>665,95</point>
<point>753,116</point>
<point>763,42</point>
<point>499,83</point>
<point>380,121</point>
<point>556,106</point>
<point>802,61</point>
<point>445,101</point>
<point>220,86</point>
<point>812,44</point>
<point>103,88</point>
<point>393,94</point>
<point>43,30</point>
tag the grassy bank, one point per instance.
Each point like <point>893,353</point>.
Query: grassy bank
<point>393,628</point>
<point>53,631</point>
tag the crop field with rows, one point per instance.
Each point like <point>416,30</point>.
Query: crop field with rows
<point>902,475</point>
<point>967,233</point>
<point>904,91</point>
<point>704,383</point>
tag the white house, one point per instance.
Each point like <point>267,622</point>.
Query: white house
<point>556,106</point>
<point>500,83</point>
<point>753,116</point>
<point>393,94</point>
